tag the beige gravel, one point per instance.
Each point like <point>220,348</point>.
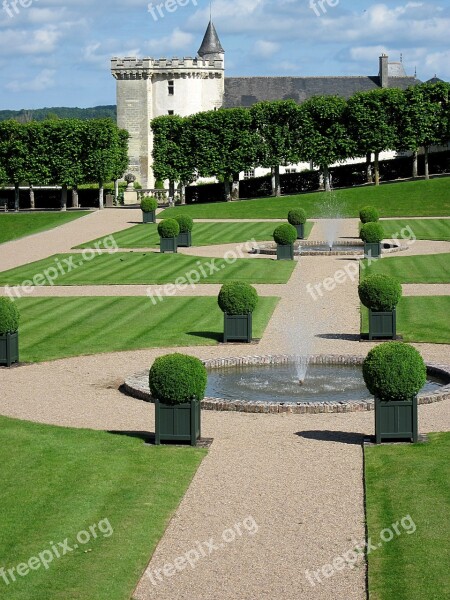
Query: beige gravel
<point>298,476</point>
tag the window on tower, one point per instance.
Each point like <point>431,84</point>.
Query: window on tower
<point>170,112</point>
<point>171,88</point>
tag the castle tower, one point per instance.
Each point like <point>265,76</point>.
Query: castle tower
<point>148,88</point>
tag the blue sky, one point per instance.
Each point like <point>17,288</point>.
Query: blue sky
<point>57,53</point>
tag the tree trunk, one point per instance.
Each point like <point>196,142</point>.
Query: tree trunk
<point>16,197</point>
<point>326,178</point>
<point>377,168</point>
<point>276,187</point>
<point>64,197</point>
<point>427,166</point>
<point>100,195</point>
<point>227,189</point>
<point>75,201</point>
<point>116,189</point>
<point>235,187</point>
<point>415,170</point>
<point>32,202</point>
<point>182,192</point>
<point>172,192</point>
<point>369,178</point>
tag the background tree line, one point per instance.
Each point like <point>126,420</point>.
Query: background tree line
<point>62,152</point>
<point>323,130</point>
<point>60,112</point>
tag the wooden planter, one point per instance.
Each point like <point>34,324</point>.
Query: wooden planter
<point>184,239</point>
<point>372,250</point>
<point>177,423</point>
<point>9,349</point>
<point>285,252</point>
<point>149,217</point>
<point>168,244</point>
<point>300,231</point>
<point>382,324</point>
<point>237,328</point>
<point>396,420</point>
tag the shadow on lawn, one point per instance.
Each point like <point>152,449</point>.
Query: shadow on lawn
<point>210,335</point>
<point>341,437</point>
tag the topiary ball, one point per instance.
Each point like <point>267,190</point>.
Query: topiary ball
<point>9,316</point>
<point>285,234</point>
<point>177,378</point>
<point>371,233</point>
<point>394,371</point>
<point>369,214</point>
<point>297,217</point>
<point>168,228</point>
<point>380,292</point>
<point>237,298</point>
<point>149,204</point>
<point>186,223</point>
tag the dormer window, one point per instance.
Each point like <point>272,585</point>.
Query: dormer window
<point>171,87</point>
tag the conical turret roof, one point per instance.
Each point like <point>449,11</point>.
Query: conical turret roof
<point>211,43</point>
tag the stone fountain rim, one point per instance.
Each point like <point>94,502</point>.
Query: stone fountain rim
<point>269,248</point>
<point>135,387</point>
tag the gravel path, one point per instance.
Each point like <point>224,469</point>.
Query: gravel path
<point>299,477</point>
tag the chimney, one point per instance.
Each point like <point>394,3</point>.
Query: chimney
<point>384,71</point>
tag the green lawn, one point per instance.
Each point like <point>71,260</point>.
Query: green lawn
<point>408,199</point>
<point>412,480</point>
<point>429,229</point>
<point>54,328</point>
<point>57,482</point>
<point>203,234</point>
<point>14,226</point>
<point>420,319</point>
<point>135,268</point>
<point>431,268</point>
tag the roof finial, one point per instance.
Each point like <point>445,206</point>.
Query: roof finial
<point>401,57</point>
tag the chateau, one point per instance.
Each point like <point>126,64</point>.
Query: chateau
<point>148,88</point>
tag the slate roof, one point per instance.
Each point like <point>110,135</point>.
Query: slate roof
<point>246,91</point>
<point>211,43</point>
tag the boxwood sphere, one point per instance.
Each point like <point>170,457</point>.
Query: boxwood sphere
<point>285,234</point>
<point>149,204</point>
<point>177,378</point>
<point>168,228</point>
<point>186,223</point>
<point>371,233</point>
<point>394,371</point>
<point>237,298</point>
<point>9,316</point>
<point>297,216</point>
<point>369,214</point>
<point>380,292</point>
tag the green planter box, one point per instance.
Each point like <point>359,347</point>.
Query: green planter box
<point>177,423</point>
<point>184,239</point>
<point>149,217</point>
<point>372,250</point>
<point>285,252</point>
<point>382,324</point>
<point>300,231</point>
<point>9,349</point>
<point>168,244</point>
<point>396,420</point>
<point>237,328</point>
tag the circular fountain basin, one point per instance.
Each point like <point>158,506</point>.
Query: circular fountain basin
<point>321,248</point>
<point>270,384</point>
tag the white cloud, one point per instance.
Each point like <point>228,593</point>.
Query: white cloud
<point>43,81</point>
<point>265,49</point>
<point>177,40</point>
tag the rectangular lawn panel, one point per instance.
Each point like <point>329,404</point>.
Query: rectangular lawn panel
<point>57,482</point>
<point>54,328</point>
<point>138,268</point>
<point>18,225</point>
<point>431,268</point>
<point>203,234</point>
<point>428,229</point>
<point>420,319</point>
<point>407,199</point>
<point>412,480</point>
